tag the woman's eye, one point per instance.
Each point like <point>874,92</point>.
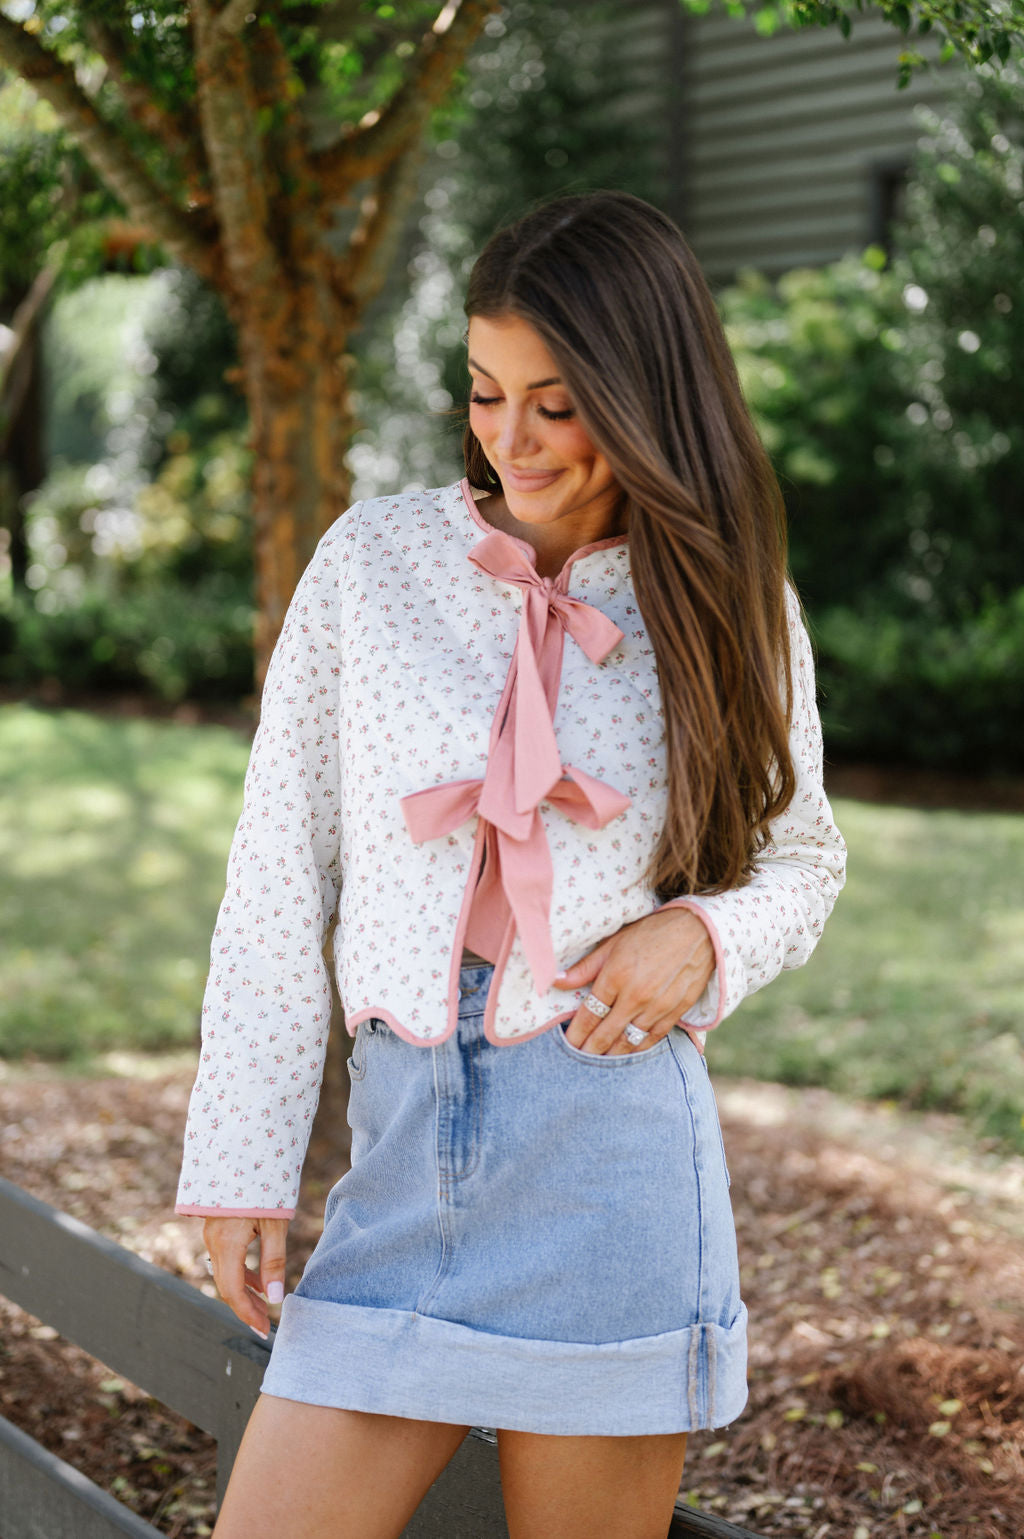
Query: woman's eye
<point>476,399</point>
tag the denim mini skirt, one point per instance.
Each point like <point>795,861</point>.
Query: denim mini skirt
<point>530,1237</point>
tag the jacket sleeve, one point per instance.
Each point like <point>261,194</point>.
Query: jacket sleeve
<point>267,1006</point>
<point>775,921</point>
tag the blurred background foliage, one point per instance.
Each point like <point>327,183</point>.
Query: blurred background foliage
<point>887,395</point>
<point>44,177</point>
<point>883,385</point>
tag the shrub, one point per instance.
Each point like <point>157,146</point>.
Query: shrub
<point>140,564</point>
<point>889,401</point>
<point>898,688</point>
<point>961,445</point>
<point>814,353</point>
<point>166,639</point>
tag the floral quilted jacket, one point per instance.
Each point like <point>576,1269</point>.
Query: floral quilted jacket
<point>455,751</point>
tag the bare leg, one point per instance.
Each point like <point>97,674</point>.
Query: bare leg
<point>590,1487</point>
<point>311,1472</point>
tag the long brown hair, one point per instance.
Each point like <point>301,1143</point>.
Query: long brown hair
<point>613,289</point>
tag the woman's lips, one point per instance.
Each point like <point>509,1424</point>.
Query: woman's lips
<point>528,480</point>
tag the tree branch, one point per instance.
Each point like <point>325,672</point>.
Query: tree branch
<point>231,134</point>
<point>370,148</point>
<point>232,18</point>
<point>14,345</point>
<point>173,131</point>
<point>278,88</point>
<point>977,29</point>
<point>361,273</point>
<point>103,146</point>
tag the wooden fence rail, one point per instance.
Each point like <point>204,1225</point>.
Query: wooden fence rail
<point>190,1352</point>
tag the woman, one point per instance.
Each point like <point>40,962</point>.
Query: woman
<point>547,742</point>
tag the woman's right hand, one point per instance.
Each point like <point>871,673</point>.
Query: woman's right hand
<point>245,1291</point>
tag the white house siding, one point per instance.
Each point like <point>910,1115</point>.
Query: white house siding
<point>787,139</point>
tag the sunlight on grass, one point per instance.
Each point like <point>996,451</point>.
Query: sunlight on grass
<point>916,990</point>
<point>114,836</point>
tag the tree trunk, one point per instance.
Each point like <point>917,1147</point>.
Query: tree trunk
<point>22,448</point>
<point>23,466</point>
<point>297,390</point>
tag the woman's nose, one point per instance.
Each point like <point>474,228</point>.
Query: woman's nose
<point>514,437</point>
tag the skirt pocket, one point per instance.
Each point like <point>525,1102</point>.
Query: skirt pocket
<point>365,1032</point>
<point>618,1062</point>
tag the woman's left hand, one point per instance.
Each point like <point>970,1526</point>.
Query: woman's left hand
<point>650,973</point>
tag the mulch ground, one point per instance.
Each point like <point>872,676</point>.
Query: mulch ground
<point>883,1265</point>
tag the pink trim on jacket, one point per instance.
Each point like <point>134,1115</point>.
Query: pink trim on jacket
<point>189,1210</point>
<point>524,768</point>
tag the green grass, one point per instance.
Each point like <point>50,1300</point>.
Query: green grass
<point>113,842</point>
<point>916,990</point>
<point>114,836</point>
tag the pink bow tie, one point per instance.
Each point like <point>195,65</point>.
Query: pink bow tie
<point>523,766</point>
<point>517,877</point>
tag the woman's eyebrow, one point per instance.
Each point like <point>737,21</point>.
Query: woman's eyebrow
<point>540,384</point>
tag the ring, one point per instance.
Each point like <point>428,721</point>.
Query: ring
<point>596,1006</point>
<point>634,1035</point>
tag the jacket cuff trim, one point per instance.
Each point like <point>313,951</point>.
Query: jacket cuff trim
<point>192,1210</point>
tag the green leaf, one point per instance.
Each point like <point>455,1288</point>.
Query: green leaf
<point>767,20</point>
